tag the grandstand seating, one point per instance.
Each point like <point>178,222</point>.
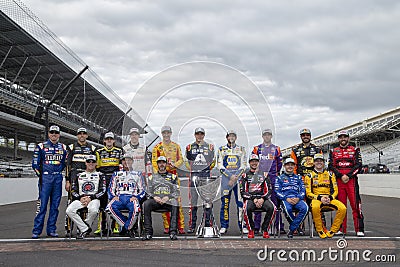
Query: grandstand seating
<point>10,167</point>
<point>390,157</point>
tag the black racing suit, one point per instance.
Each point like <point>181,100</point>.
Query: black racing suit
<point>161,185</point>
<point>256,186</point>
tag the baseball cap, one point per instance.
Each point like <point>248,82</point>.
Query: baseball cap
<point>127,155</point>
<point>253,157</point>
<point>231,132</point>
<point>289,160</point>
<point>305,131</point>
<point>161,158</point>
<point>109,135</point>
<point>81,130</point>
<point>54,128</point>
<point>91,157</point>
<point>166,128</point>
<point>343,132</point>
<point>134,130</point>
<point>199,130</point>
<point>266,131</point>
<point>319,156</point>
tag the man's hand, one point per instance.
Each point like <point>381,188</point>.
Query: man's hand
<point>259,202</point>
<point>164,199</point>
<point>345,178</point>
<point>67,186</point>
<point>158,199</point>
<point>116,198</point>
<point>293,200</point>
<point>133,199</point>
<point>325,200</point>
<point>232,180</point>
<point>85,201</point>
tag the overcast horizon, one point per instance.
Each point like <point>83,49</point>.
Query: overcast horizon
<point>320,64</point>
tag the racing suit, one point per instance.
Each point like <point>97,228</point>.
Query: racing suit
<point>161,185</point>
<point>141,162</point>
<point>231,160</point>
<point>108,161</point>
<point>90,184</point>
<point>324,183</point>
<point>77,153</point>
<point>200,161</point>
<point>125,185</point>
<point>304,158</point>
<point>347,160</point>
<point>172,151</point>
<point>255,186</point>
<point>292,186</point>
<point>48,163</point>
<point>270,157</point>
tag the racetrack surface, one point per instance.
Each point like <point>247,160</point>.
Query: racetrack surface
<point>17,249</point>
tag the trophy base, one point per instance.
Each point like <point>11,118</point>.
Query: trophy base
<point>208,232</point>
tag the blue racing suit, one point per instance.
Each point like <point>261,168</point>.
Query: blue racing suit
<point>48,163</point>
<point>292,186</point>
<point>125,185</point>
<point>231,161</point>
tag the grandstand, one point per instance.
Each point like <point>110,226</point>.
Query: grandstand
<point>378,138</point>
<point>39,74</point>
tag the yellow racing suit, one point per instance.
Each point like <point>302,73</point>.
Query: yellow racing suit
<point>172,151</point>
<point>319,184</point>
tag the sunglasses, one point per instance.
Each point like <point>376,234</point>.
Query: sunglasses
<point>91,161</point>
<point>305,134</point>
<point>54,132</point>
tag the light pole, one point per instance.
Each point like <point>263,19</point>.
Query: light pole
<point>379,152</point>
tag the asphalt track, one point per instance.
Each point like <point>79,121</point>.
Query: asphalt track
<point>382,239</point>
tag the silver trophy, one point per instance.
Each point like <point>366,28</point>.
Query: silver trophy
<point>207,188</point>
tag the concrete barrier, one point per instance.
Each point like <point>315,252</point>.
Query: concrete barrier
<point>385,185</point>
<point>15,190</point>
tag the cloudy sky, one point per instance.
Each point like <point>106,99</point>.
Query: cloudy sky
<point>319,64</point>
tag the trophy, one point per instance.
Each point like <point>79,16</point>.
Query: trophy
<point>207,188</point>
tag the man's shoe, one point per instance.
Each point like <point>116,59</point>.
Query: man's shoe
<point>131,233</point>
<point>173,236</point>
<point>290,234</point>
<point>115,230</point>
<point>322,234</point>
<point>325,229</point>
<point>181,231</point>
<point>191,230</point>
<point>360,234</point>
<point>223,230</point>
<point>283,232</point>
<point>52,235</point>
<point>256,231</point>
<point>97,232</point>
<point>300,232</point>
<point>330,234</point>
<point>166,231</point>
<point>339,233</point>
<point>35,236</point>
<point>123,232</point>
<point>84,234</point>
<point>245,231</point>
<point>146,237</point>
<point>265,234</point>
<point>250,234</point>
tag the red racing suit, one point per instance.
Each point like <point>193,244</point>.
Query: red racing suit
<point>347,160</point>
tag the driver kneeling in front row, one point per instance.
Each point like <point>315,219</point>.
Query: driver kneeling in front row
<point>163,191</point>
<point>321,188</point>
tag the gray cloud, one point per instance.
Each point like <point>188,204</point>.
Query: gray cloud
<point>321,64</point>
